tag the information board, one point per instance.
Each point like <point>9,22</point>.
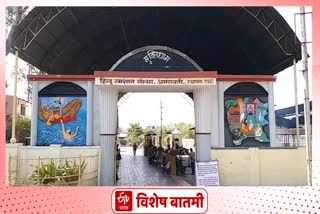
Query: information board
<point>207,173</point>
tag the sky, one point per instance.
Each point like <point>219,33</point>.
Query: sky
<point>145,107</point>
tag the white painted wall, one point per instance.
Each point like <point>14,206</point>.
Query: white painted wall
<point>261,167</point>
<point>43,84</point>
<point>227,85</point>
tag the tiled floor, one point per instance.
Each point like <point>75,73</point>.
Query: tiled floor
<point>136,171</point>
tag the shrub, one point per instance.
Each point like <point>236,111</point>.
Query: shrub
<point>47,174</point>
<point>23,129</point>
<point>73,172</point>
<point>53,174</point>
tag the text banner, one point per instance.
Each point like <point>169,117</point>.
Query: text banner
<point>155,81</point>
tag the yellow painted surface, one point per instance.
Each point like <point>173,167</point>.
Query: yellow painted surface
<point>261,167</point>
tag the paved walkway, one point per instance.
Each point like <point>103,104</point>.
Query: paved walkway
<point>136,171</point>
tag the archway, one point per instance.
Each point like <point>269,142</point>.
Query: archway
<point>139,119</point>
<point>160,62</point>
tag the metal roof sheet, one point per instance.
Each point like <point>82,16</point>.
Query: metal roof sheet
<point>230,40</point>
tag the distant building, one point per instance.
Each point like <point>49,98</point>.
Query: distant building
<point>152,127</point>
<point>23,110</point>
<point>23,107</point>
<point>122,138</point>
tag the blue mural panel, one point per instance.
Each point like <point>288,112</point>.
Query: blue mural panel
<point>62,120</point>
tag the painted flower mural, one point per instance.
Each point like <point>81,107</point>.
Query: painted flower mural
<point>246,118</point>
<point>62,120</point>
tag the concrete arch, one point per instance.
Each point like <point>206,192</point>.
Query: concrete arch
<point>158,47</point>
<point>122,98</point>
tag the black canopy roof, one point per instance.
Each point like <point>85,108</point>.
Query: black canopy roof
<point>230,40</point>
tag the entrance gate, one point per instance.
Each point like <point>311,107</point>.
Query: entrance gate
<point>94,99</point>
<point>154,69</point>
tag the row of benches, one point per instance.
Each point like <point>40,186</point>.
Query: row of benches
<point>170,163</point>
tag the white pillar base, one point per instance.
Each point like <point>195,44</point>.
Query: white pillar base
<point>203,146</point>
<point>107,160</point>
<point>108,99</point>
<point>203,105</point>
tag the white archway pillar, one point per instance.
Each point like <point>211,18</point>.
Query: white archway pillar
<point>215,118</point>
<point>221,114</point>
<point>272,116</point>
<point>108,98</point>
<point>203,107</point>
<point>90,104</point>
<point>34,115</point>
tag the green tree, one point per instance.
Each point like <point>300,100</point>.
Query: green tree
<point>14,15</point>
<point>165,136</point>
<point>31,71</point>
<point>22,77</point>
<point>182,127</point>
<point>135,133</point>
<point>185,130</point>
<point>23,128</point>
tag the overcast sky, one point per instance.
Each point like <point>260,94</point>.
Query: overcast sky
<point>145,107</point>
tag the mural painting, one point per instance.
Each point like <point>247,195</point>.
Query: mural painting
<point>246,119</point>
<point>62,120</point>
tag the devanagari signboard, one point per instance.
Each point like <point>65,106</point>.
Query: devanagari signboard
<point>155,81</point>
<point>161,200</point>
<point>207,173</point>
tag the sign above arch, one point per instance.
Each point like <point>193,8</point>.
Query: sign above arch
<point>191,78</point>
<point>155,58</point>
